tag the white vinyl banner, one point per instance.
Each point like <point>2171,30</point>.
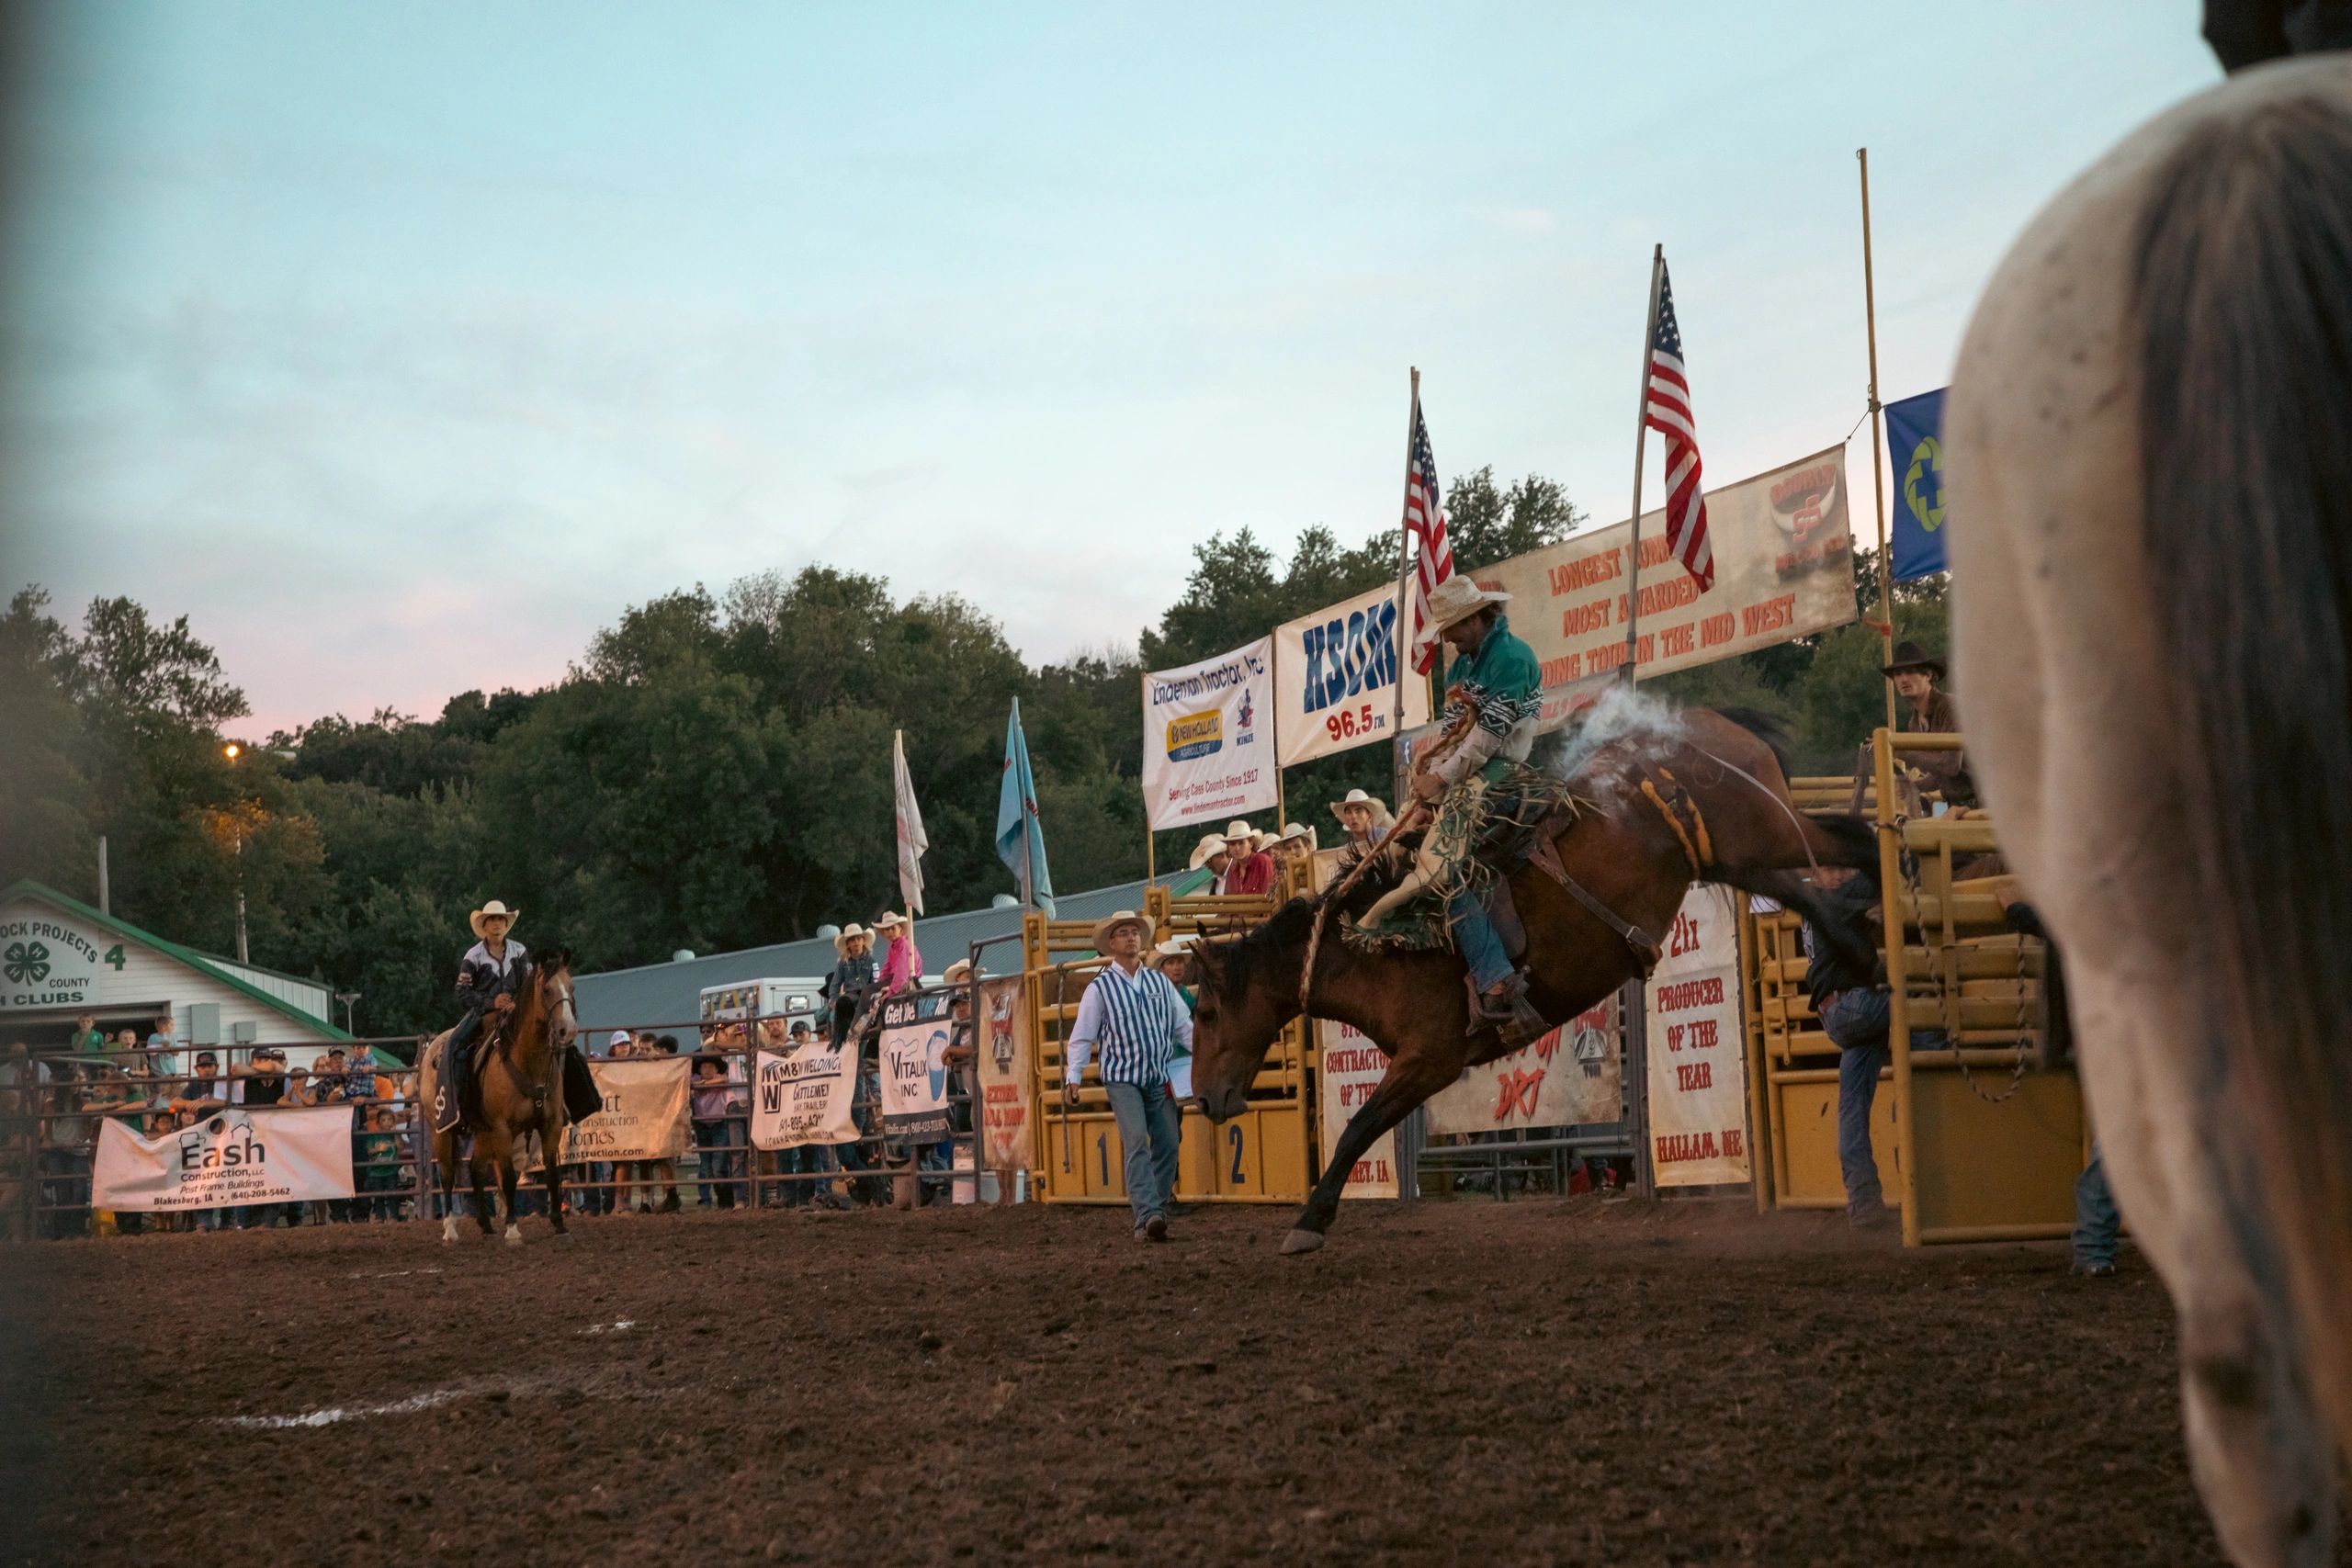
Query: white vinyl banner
<point>1334,679</point>
<point>1570,1078</point>
<point>644,1115</point>
<point>233,1156</point>
<point>802,1097</point>
<point>914,1075</point>
<point>1351,1065</point>
<point>1208,738</point>
<point>1698,1056</point>
<point>1783,546</point>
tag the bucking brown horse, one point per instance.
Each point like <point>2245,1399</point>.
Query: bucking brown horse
<point>1724,815</point>
<point>520,1087</point>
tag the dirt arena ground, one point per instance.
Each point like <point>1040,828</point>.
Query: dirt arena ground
<point>1537,1382</point>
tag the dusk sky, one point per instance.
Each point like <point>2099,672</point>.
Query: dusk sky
<point>402,347</point>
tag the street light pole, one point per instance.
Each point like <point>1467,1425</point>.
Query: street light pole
<point>243,956</point>
<point>347,998</point>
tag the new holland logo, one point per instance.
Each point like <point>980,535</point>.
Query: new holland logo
<point>1923,484</point>
<point>1195,734</point>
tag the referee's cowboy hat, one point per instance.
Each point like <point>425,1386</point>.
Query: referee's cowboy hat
<point>1457,600</point>
<point>493,908</point>
<point>1111,922</point>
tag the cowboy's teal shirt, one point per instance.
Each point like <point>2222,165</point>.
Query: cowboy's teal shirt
<point>1501,680</point>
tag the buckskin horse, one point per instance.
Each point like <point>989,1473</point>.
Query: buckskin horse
<point>1631,854</point>
<point>2149,446</point>
<point>519,1089</point>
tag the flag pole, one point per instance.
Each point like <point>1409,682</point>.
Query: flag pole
<point>1878,476</point>
<point>1641,441</point>
<point>1406,649</point>
<point>1143,693</point>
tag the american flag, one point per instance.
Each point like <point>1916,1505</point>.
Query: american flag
<point>1667,412</point>
<point>1425,520</point>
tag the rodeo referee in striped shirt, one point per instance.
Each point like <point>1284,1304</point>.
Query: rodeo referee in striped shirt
<point>1134,1018</point>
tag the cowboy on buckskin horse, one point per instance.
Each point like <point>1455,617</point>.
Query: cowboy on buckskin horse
<point>488,978</point>
<point>1476,780</point>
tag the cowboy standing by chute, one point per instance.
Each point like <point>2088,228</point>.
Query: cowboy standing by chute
<point>488,978</point>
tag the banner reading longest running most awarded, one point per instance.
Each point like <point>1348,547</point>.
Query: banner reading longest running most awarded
<point>1783,544</point>
<point>1335,678</point>
<point>1208,738</point>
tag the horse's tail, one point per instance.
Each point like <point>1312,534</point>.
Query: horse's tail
<point>2244,284</point>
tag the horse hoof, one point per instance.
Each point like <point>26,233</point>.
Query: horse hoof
<point>1300,1241</point>
<point>450,1228</point>
<point>513,1235</point>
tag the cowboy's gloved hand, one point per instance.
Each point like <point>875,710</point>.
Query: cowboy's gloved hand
<point>503,1004</point>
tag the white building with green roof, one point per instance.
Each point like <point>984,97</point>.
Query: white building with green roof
<point>60,958</point>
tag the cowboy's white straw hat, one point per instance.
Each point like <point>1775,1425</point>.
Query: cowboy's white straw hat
<point>1239,833</point>
<point>1112,921</point>
<point>1174,947</point>
<point>1457,599</point>
<point>1210,845</point>
<point>1292,831</point>
<point>892,919</point>
<point>958,971</point>
<point>840,942</point>
<point>492,907</point>
<point>1372,802</point>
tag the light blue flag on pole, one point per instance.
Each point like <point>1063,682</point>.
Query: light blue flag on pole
<point>1915,445</point>
<point>1019,840</point>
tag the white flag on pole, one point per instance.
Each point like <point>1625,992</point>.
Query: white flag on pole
<point>911,840</point>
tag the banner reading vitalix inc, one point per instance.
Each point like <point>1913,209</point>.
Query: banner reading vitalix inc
<point>234,1157</point>
<point>1783,546</point>
<point>1208,738</point>
<point>1334,679</point>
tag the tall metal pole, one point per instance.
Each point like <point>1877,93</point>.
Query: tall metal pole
<point>242,956</point>
<point>1641,441</point>
<point>106,892</point>
<point>1878,476</point>
<point>1406,649</point>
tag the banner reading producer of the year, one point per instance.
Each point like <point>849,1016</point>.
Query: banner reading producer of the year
<point>1698,1055</point>
<point>1783,546</point>
<point>1334,679</point>
<point>1208,738</point>
<point>234,1157</point>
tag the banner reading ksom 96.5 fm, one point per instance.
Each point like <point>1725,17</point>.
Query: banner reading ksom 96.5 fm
<point>1208,738</point>
<point>1334,679</point>
<point>1783,546</point>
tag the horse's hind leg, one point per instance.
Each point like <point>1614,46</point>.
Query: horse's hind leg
<point>551,1144</point>
<point>444,1158</point>
<point>477,1166</point>
<point>1414,1074</point>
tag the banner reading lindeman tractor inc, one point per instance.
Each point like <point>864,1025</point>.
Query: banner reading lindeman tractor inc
<point>1334,679</point>
<point>1783,546</point>
<point>1208,738</point>
<point>234,1157</point>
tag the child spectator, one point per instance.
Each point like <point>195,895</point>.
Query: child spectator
<point>717,1104</point>
<point>380,1175</point>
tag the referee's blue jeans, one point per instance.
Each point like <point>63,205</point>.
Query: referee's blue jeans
<point>1149,1125</point>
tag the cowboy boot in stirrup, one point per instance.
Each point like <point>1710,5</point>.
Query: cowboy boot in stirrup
<point>1506,1010</point>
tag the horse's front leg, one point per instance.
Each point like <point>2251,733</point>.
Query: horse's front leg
<point>477,1169</point>
<point>445,1158</point>
<point>551,1144</point>
<point>508,1180</point>
<point>1415,1073</point>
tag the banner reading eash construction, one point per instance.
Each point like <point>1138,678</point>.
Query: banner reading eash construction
<point>1334,679</point>
<point>1783,546</point>
<point>1208,738</point>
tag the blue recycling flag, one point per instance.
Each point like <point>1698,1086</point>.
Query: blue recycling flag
<point>1915,445</point>
<point>1019,840</point>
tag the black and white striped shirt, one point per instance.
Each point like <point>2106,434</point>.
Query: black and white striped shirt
<point>1135,1020</point>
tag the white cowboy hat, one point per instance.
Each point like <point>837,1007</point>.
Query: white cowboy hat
<point>492,907</point>
<point>1457,599</point>
<point>1174,947</point>
<point>957,972</point>
<point>892,920</point>
<point>1292,831</point>
<point>1238,831</point>
<point>1372,802</point>
<point>1210,845</point>
<point>840,942</point>
<point>1111,922</point>
<point>620,1037</point>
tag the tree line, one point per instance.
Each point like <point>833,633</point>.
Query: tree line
<point>713,772</point>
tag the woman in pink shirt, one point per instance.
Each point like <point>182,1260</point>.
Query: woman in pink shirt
<point>902,962</point>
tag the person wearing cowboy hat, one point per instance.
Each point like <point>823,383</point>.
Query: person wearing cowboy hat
<point>846,992</point>
<point>901,961</point>
<point>1927,710</point>
<point>1134,1020</point>
<point>1493,700</point>
<point>1249,868</point>
<point>488,978</point>
<point>1365,818</point>
<point>1297,842</point>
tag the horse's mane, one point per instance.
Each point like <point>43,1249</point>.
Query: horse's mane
<point>1766,728</point>
<point>1241,960</point>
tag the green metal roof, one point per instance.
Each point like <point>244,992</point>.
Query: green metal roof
<point>173,950</point>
